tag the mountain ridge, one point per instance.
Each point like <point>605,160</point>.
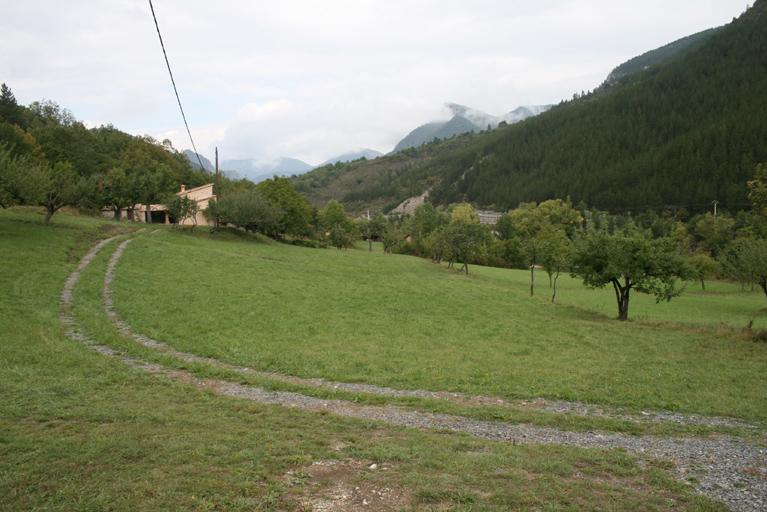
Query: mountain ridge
<point>464,120</point>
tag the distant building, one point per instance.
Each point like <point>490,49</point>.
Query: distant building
<point>159,212</point>
<point>488,217</point>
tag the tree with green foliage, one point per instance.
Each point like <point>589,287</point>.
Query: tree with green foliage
<point>702,267</point>
<point>466,240</point>
<point>300,214</point>
<point>333,217</point>
<point>628,259</point>
<point>147,176</point>
<point>465,236</point>
<point>340,238</point>
<point>757,189</point>
<point>553,247</point>
<point>713,232</point>
<point>250,211</point>
<point>422,223</point>
<point>181,208</point>
<point>10,111</point>
<point>527,222</point>
<point>391,237</point>
<point>56,186</point>
<point>13,174</point>
<point>372,228</point>
<point>746,261</point>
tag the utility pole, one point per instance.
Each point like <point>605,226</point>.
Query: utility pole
<point>217,184</point>
<point>216,174</point>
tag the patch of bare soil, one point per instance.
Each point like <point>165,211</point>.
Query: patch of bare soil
<point>349,485</point>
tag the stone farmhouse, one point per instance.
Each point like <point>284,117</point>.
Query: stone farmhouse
<point>159,212</point>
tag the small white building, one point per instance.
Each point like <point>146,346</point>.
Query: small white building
<point>488,216</point>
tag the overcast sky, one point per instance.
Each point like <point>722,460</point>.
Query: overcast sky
<point>313,79</point>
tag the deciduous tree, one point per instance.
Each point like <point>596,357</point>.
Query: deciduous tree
<point>299,215</point>
<point>628,259</point>
<point>746,261</point>
<point>249,210</point>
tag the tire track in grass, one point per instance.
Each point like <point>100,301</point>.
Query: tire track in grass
<point>722,468</point>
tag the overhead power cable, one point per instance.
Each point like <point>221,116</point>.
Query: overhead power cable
<point>174,85</point>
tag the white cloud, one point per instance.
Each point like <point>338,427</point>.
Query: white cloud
<point>311,80</point>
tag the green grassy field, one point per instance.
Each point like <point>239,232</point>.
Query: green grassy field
<point>722,305</point>
<point>80,431</point>
<point>399,321</point>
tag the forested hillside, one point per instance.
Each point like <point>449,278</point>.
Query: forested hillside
<point>658,55</point>
<point>48,158</point>
<point>376,184</point>
<point>682,133</point>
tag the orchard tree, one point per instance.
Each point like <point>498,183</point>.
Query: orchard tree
<point>465,236</point>
<point>25,181</point>
<point>746,261</point>
<point>424,221</point>
<point>702,267</point>
<point>13,175</point>
<point>54,187</point>
<point>554,247</point>
<point>300,214</point>
<point>466,240</point>
<point>391,236</point>
<point>182,208</point>
<point>333,217</point>
<point>372,228</point>
<point>526,222</point>
<point>714,232</point>
<point>249,210</point>
<point>628,259</point>
<point>340,238</point>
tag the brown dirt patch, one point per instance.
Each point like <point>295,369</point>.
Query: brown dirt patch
<point>345,486</point>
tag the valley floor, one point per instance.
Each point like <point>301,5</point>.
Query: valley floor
<point>723,467</point>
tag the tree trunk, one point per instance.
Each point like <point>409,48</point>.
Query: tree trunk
<point>622,296</point>
<point>532,280</point>
<point>703,285</point>
<point>49,213</point>
<point>555,287</point>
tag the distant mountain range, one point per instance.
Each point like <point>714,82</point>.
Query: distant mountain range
<point>464,120</point>
<point>193,159</point>
<point>370,154</point>
<point>257,171</point>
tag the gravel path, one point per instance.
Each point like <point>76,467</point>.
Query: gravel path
<point>724,468</point>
